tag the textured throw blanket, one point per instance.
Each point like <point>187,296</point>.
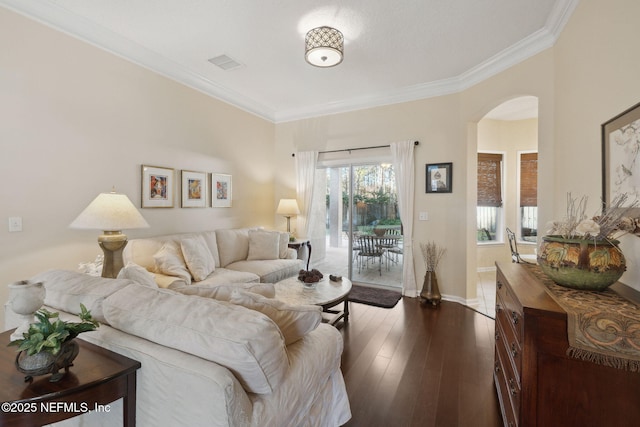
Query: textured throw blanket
<point>603,327</point>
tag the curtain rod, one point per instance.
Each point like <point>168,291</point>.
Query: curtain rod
<point>356,149</point>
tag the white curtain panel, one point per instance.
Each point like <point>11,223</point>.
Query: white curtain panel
<point>306,162</point>
<point>402,154</point>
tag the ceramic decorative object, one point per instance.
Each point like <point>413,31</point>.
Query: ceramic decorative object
<point>47,363</point>
<point>585,264</point>
<point>25,298</point>
<point>49,346</point>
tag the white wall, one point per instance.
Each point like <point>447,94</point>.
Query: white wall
<point>75,121</point>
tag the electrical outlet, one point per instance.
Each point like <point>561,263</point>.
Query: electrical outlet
<point>15,224</point>
<point>423,216</point>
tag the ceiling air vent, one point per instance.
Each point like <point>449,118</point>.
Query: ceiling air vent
<point>225,62</point>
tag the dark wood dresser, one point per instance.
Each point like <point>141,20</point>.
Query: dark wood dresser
<point>536,382</point>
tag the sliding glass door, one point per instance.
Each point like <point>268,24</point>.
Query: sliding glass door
<point>363,229</point>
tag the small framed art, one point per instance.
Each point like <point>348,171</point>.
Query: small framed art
<point>157,187</point>
<point>194,189</point>
<point>439,177</point>
<point>221,190</point>
<point>621,157</point>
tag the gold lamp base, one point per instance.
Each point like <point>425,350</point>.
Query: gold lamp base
<point>112,244</point>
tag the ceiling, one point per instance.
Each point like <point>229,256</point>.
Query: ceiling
<point>395,51</point>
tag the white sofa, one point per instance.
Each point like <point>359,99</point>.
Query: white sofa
<point>241,255</point>
<point>208,362</point>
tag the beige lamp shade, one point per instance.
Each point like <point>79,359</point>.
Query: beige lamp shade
<point>288,207</point>
<point>110,212</point>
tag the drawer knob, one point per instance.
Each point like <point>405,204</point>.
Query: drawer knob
<point>499,284</point>
<point>497,336</point>
<point>514,317</point>
<point>498,308</point>
<point>497,368</point>
<point>512,387</point>
<point>514,350</point>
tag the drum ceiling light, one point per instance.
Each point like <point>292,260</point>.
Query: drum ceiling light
<point>324,47</point>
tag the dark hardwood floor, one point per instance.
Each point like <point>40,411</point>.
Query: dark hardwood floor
<point>419,366</point>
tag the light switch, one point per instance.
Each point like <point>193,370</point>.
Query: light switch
<point>15,224</point>
<point>423,216</point>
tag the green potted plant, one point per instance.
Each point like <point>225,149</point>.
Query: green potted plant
<point>49,346</point>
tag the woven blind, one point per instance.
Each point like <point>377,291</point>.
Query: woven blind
<point>529,179</point>
<point>489,179</point>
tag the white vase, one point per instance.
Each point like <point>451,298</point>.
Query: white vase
<point>25,298</point>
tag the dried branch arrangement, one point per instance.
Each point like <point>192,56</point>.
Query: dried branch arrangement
<point>431,254</point>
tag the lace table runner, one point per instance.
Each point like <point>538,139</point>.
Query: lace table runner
<point>603,327</point>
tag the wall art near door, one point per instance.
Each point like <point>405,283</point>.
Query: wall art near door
<point>621,156</point>
<point>194,189</point>
<point>439,178</point>
<point>221,191</point>
<point>157,187</point>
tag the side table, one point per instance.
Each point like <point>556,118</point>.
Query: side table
<point>98,377</point>
<point>299,244</point>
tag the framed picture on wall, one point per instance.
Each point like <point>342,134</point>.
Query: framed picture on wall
<point>194,189</point>
<point>621,156</point>
<point>439,178</point>
<point>221,190</point>
<point>157,187</point>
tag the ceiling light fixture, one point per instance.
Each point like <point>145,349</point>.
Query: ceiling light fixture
<point>324,47</point>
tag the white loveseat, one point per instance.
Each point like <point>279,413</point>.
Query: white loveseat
<point>210,258</point>
<point>208,362</point>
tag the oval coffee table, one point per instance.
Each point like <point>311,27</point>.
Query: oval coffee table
<point>327,294</point>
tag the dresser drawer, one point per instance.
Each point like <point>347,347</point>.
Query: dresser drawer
<point>506,339</point>
<point>509,305</point>
<point>510,408</point>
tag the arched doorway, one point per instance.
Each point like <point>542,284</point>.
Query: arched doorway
<point>507,147</point>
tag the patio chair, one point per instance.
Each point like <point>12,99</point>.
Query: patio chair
<point>515,255</point>
<point>369,249</point>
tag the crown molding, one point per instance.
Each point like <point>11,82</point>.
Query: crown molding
<point>59,18</point>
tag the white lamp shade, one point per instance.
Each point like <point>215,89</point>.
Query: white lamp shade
<point>110,212</point>
<point>288,207</point>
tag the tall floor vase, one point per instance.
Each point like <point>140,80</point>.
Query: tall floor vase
<point>430,292</point>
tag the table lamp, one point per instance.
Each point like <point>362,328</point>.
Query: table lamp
<point>288,208</point>
<point>112,213</point>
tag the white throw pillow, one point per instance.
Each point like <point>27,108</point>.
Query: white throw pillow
<point>246,342</point>
<point>198,257</point>
<point>284,245</point>
<point>138,274</point>
<point>263,245</point>
<point>169,261</point>
<point>295,321</point>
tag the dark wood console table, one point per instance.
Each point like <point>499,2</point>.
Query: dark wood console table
<point>538,384</point>
<point>97,378</point>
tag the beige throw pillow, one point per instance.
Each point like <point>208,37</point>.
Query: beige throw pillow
<point>138,274</point>
<point>263,245</point>
<point>198,257</point>
<point>169,261</point>
<point>294,321</point>
<point>284,245</point>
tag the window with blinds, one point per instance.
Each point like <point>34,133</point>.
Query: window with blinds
<point>489,206</point>
<point>489,179</point>
<point>528,196</point>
